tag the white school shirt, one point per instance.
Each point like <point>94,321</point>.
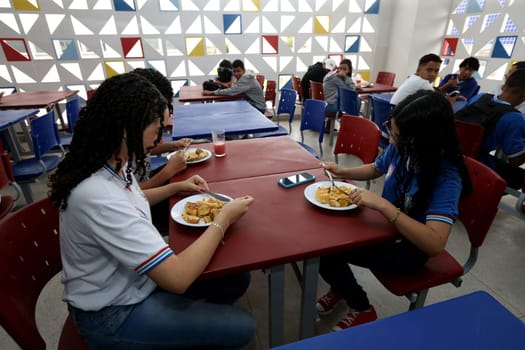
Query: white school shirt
<point>411,85</point>
<point>108,243</point>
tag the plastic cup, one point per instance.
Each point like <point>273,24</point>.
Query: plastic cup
<point>219,142</point>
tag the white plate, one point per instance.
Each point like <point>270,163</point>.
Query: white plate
<point>309,193</point>
<point>178,209</point>
<point>208,155</point>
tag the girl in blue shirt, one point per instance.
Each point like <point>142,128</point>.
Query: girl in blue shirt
<point>424,178</point>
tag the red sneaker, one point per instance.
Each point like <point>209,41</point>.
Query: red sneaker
<point>327,303</point>
<point>354,318</point>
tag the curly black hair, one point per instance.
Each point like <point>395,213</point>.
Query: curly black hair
<point>427,135</point>
<point>160,81</point>
<point>119,111</point>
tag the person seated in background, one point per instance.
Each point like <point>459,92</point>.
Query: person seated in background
<point>426,72</point>
<point>225,74</point>
<point>463,80</point>
<point>177,162</point>
<point>425,176</point>
<point>504,128</point>
<point>246,84</point>
<point>316,72</point>
<point>124,286</point>
<point>516,66</point>
<point>341,77</point>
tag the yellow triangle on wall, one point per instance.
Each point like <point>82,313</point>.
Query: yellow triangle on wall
<point>322,24</point>
<point>26,5</point>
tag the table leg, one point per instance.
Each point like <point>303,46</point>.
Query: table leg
<point>58,115</point>
<point>308,297</point>
<point>276,305</point>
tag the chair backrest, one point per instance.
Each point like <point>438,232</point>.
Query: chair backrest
<point>260,79</point>
<point>313,117</point>
<point>296,85</point>
<point>386,78</point>
<point>348,100</point>
<point>4,174</point>
<point>72,111</point>
<point>44,133</point>
<point>470,137</point>
<point>316,90</point>
<point>287,102</point>
<point>477,211</point>
<point>29,258</point>
<point>271,91</point>
<point>90,93</point>
<point>358,136</point>
<point>381,110</point>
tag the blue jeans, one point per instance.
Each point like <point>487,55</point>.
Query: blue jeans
<point>202,318</point>
<point>332,108</point>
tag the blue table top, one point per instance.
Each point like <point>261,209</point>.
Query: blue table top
<point>473,321</point>
<point>235,117</point>
<point>10,117</point>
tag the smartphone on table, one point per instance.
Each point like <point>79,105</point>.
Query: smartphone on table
<point>295,180</point>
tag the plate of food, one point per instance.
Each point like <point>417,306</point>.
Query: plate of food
<point>322,195</point>
<point>194,155</point>
<point>197,210</point>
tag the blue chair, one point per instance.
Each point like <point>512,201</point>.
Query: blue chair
<point>157,162</point>
<point>72,112</point>
<point>381,109</point>
<point>286,107</point>
<point>44,134</point>
<point>349,103</point>
<point>313,118</point>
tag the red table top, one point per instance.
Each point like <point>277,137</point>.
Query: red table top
<point>376,88</point>
<point>281,226</point>
<point>252,157</point>
<point>194,94</point>
<point>34,99</point>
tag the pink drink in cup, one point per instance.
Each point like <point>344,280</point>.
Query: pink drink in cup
<point>219,142</point>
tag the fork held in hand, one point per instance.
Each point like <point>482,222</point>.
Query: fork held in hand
<point>333,185</point>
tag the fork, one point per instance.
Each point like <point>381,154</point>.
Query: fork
<point>333,185</point>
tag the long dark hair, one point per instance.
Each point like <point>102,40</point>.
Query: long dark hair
<point>427,135</point>
<point>119,111</point>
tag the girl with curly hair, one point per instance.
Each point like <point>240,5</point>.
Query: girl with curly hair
<point>125,287</point>
<point>425,176</point>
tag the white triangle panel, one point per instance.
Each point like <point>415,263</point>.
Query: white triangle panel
<point>147,27</point>
<point>132,28</point>
<point>73,68</point>
<point>28,20</point>
<point>195,27</point>
<point>253,28</point>
<point>210,27</point>
<point>51,76</point>
<point>268,27</point>
<point>53,21</point>
<point>21,77</point>
<point>97,74</point>
<point>175,27</point>
<point>110,28</point>
<point>79,27</point>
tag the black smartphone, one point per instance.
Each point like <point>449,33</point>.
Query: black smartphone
<point>295,180</point>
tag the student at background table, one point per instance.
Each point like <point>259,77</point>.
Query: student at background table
<point>225,74</point>
<point>125,287</point>
<point>425,176</point>
<point>426,72</point>
<point>463,80</point>
<point>341,77</point>
<point>516,66</point>
<point>316,72</point>
<point>246,84</point>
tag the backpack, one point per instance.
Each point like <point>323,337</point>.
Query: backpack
<point>484,111</point>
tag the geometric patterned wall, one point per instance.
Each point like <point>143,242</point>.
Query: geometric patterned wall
<point>491,30</point>
<point>76,44</point>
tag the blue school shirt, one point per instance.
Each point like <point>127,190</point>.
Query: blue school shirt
<point>443,206</point>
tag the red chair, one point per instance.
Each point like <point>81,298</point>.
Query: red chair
<point>359,137</point>
<point>470,137</point>
<point>386,78</point>
<point>269,96</point>
<point>260,79</point>
<point>6,202</point>
<point>296,85</point>
<point>476,212</point>
<point>316,90</point>
<point>29,258</point>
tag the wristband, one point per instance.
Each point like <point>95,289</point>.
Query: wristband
<point>396,216</point>
<point>220,228</point>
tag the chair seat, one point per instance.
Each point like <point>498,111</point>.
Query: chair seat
<point>312,151</point>
<point>29,169</point>
<point>6,204</point>
<point>281,131</point>
<point>438,270</point>
<point>65,139</point>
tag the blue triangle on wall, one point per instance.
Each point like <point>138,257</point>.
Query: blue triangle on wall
<point>122,5</point>
<point>374,8</point>
<point>70,53</point>
<point>499,49</point>
<point>473,7</point>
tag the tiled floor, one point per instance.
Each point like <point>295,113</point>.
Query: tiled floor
<point>499,271</point>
